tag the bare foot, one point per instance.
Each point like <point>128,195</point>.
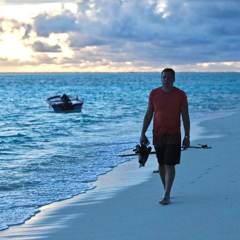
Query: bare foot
<point>165,201</point>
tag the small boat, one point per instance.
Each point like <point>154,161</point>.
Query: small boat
<point>65,103</point>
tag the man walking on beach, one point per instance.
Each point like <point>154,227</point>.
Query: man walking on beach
<point>166,105</point>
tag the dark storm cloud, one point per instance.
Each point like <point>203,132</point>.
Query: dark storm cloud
<point>188,31</point>
<point>28,29</point>
<point>45,24</point>
<point>181,32</point>
<point>43,47</point>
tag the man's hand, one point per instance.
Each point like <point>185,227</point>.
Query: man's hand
<point>143,139</point>
<point>186,143</point>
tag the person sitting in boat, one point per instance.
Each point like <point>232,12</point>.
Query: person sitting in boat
<point>66,100</point>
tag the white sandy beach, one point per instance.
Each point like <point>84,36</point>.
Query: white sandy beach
<point>205,198</point>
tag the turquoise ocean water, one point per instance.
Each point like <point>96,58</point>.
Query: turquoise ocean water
<point>47,157</point>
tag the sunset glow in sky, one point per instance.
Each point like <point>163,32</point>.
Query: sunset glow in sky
<point>119,35</point>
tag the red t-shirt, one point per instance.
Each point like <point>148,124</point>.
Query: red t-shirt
<point>167,110</point>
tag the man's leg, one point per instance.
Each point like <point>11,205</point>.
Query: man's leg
<point>162,173</point>
<point>169,178</point>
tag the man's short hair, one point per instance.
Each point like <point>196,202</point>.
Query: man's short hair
<point>169,70</point>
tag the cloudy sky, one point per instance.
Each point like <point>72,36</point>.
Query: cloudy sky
<point>119,35</point>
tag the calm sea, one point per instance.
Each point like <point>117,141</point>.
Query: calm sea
<point>47,157</point>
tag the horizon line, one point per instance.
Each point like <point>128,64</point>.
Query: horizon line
<point>132,72</point>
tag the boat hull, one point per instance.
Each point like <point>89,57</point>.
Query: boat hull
<point>58,105</point>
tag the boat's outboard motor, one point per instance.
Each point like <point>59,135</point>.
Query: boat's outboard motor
<point>66,100</point>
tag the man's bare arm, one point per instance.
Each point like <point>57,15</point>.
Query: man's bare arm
<point>146,122</point>
<point>186,125</point>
